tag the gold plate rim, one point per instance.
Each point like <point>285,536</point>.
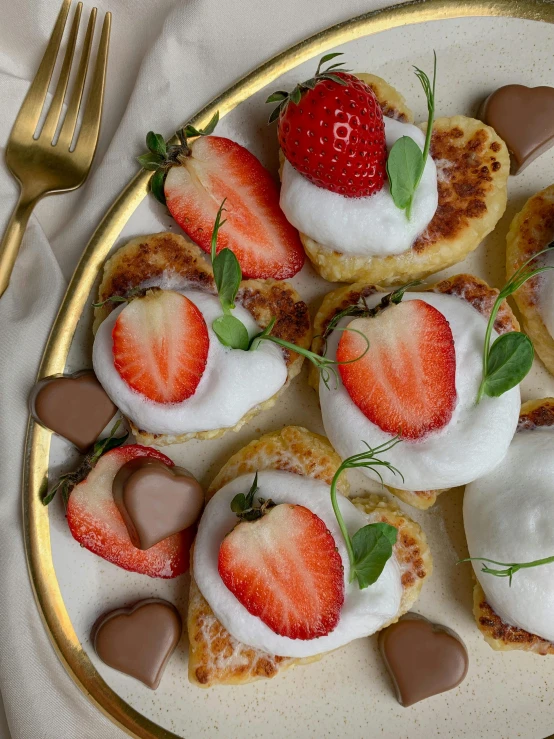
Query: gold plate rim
<point>35,474</point>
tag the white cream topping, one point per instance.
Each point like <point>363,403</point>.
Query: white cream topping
<point>364,611</point>
<point>369,226</point>
<point>234,381</point>
<point>546,294</point>
<point>473,442</point>
<point>508,517</point>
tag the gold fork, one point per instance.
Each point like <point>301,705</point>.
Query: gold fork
<point>49,163</point>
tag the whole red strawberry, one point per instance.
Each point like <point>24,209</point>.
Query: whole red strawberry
<point>331,130</point>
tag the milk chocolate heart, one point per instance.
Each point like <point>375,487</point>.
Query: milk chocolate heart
<point>423,658</point>
<point>139,640</point>
<point>156,501</point>
<point>73,406</point>
<point>524,118</point>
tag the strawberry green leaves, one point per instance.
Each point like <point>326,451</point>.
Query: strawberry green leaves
<point>283,97</point>
<point>509,359</point>
<point>67,482</point>
<point>406,162</point>
<point>161,157</point>
<point>227,275</point>
<point>371,546</point>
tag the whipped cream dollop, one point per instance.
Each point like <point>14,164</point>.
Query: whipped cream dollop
<point>473,442</point>
<point>508,517</point>
<point>234,381</point>
<point>363,612</point>
<point>368,226</point>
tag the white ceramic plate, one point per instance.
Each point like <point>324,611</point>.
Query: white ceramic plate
<point>348,693</point>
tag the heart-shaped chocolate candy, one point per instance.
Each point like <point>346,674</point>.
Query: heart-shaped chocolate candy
<point>156,501</point>
<point>139,640</point>
<point>73,406</point>
<point>423,658</point>
<point>524,118</point>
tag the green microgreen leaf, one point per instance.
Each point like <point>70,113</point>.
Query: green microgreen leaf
<point>510,359</point>
<point>371,546</point>
<point>157,182</point>
<point>227,275</point>
<point>505,366</point>
<point>405,165</point>
<point>231,332</point>
<point>156,143</point>
<point>150,161</point>
<point>510,567</point>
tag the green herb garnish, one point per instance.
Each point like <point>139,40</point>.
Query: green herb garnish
<point>245,507</point>
<point>283,97</point>
<point>327,367</point>
<point>67,482</point>
<point>510,357</point>
<point>161,157</point>
<point>232,332</point>
<point>371,546</point>
<point>510,567</point>
<point>227,275</point>
<point>406,162</point>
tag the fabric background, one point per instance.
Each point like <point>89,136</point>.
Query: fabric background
<point>168,58</point>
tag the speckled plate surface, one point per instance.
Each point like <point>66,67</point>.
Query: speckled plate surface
<point>348,693</point>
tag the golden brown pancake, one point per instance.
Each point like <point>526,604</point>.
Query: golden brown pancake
<point>146,259</point>
<point>498,634</point>
<point>466,287</point>
<point>531,231</point>
<point>215,657</point>
<point>473,165</point>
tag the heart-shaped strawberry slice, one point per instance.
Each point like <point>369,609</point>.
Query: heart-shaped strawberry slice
<point>155,500</point>
<point>423,658</point>
<point>73,406</point>
<point>406,382</point>
<point>139,640</point>
<point>524,118</point>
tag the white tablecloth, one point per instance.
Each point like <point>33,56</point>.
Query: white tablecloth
<point>167,59</point>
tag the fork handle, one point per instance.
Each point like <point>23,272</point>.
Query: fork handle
<point>11,241</point>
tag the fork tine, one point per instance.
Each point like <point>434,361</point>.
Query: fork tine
<point>68,128</point>
<point>88,136</point>
<point>51,123</point>
<point>31,109</point>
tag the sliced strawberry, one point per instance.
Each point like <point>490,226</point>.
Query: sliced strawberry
<point>256,229</point>
<point>285,569</point>
<point>95,522</point>
<point>160,346</point>
<point>405,383</point>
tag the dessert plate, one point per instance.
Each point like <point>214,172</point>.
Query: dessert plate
<point>480,46</point>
